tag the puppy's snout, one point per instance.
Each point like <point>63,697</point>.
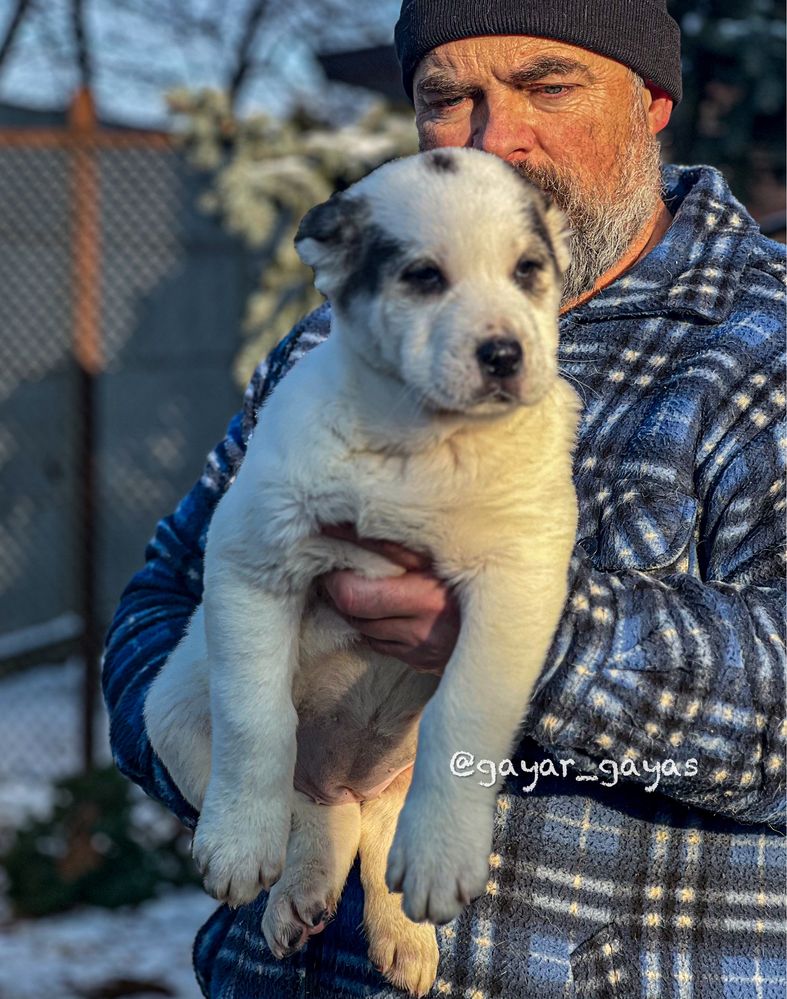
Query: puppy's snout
<point>500,357</point>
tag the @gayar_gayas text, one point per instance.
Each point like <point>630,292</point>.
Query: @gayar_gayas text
<point>464,764</point>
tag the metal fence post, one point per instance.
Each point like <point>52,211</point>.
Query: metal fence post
<point>88,355</point>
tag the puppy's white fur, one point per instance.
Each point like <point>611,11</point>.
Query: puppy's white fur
<point>391,424</point>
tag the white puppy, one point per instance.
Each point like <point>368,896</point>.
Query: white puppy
<point>432,416</point>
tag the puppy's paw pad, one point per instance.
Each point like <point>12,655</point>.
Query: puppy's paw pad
<point>238,881</point>
<point>288,942</point>
<point>405,953</point>
<point>237,863</point>
<point>292,916</point>
<point>436,877</point>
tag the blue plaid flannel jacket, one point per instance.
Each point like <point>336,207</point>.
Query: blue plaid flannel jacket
<point>671,648</point>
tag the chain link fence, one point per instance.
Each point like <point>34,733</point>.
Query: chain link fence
<point>120,312</point>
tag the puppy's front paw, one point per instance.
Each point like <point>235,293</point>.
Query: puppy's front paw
<point>439,859</point>
<point>239,853</point>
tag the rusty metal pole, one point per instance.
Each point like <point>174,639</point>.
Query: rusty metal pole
<point>88,354</point>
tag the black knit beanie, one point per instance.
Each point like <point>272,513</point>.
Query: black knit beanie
<point>638,33</point>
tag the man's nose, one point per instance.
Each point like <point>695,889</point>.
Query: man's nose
<point>501,129</point>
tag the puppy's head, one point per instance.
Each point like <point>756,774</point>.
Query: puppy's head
<point>445,270</point>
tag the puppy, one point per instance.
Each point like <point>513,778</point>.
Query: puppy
<point>432,416</point>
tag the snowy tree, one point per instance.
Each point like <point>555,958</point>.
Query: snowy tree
<point>268,173</point>
<point>260,52</point>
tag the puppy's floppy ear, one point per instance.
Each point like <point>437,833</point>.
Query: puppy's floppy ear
<point>548,221</point>
<point>559,232</point>
<point>329,238</point>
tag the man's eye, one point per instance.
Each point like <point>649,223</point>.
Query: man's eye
<point>444,103</point>
<point>554,89</point>
<point>425,278</point>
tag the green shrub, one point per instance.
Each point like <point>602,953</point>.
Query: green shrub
<point>93,850</point>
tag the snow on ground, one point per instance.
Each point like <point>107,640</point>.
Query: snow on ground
<point>80,955</point>
<point>90,953</point>
<point>40,738</point>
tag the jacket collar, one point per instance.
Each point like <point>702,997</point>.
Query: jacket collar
<point>696,268</point>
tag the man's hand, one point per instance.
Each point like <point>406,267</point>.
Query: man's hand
<point>414,617</point>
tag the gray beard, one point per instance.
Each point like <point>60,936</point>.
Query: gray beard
<point>603,228</point>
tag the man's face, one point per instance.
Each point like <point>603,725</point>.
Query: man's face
<point>576,123</point>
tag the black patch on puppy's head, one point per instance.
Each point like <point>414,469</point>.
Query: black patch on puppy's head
<point>350,254</point>
<point>442,162</point>
<point>380,255</point>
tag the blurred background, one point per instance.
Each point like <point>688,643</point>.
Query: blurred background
<point>155,159</point>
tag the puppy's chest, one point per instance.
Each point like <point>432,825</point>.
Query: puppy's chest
<point>396,495</point>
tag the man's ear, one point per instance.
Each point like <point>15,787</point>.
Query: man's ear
<point>329,238</point>
<point>658,107</point>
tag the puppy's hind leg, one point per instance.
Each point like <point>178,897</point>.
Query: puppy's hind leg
<point>404,951</point>
<point>177,713</point>
<point>320,852</point>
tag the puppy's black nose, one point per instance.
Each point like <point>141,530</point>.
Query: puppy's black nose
<point>500,357</point>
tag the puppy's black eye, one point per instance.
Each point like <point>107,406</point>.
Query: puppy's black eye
<point>425,278</point>
<point>526,271</point>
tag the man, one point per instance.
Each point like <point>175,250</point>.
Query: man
<point>660,874</point>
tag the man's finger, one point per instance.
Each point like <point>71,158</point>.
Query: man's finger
<point>397,553</point>
<point>412,595</point>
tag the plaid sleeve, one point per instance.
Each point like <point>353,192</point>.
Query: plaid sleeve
<point>158,602</point>
<point>683,667</point>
